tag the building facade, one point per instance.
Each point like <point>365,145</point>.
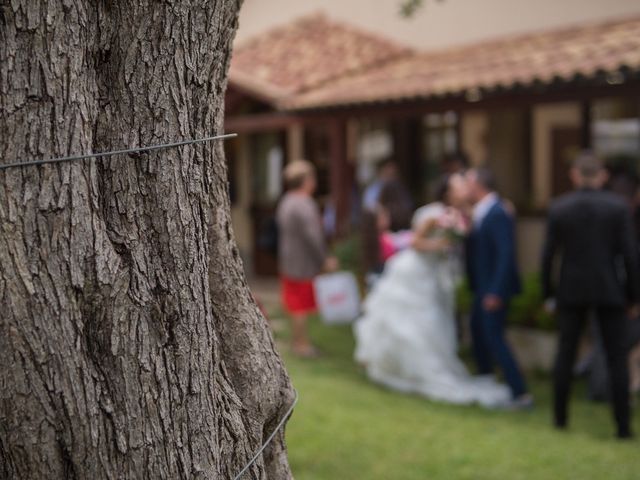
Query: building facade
<point>345,98</point>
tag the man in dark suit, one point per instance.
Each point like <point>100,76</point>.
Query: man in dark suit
<point>494,280</point>
<point>592,232</point>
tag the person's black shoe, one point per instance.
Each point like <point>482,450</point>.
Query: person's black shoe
<point>559,424</point>
<point>625,435</point>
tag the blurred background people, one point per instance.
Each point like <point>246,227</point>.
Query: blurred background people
<point>302,251</point>
<point>592,230</point>
<point>395,199</point>
<point>380,242</point>
<point>625,184</point>
<point>373,224</point>
<point>386,173</point>
<point>386,218</point>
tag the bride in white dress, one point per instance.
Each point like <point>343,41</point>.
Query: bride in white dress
<point>406,338</point>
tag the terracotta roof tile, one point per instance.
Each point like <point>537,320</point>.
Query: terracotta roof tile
<point>307,53</point>
<point>524,59</point>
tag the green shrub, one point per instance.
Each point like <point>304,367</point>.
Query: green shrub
<point>464,297</point>
<point>347,251</point>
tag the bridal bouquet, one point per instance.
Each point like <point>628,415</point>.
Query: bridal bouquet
<point>453,224</point>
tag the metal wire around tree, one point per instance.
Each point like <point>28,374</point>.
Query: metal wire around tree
<point>268,441</point>
<point>148,148</point>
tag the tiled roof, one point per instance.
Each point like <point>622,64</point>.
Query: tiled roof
<point>307,53</point>
<point>563,54</point>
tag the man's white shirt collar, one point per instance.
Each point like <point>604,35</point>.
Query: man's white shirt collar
<point>482,208</point>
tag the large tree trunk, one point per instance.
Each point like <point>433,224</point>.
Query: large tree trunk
<point>129,344</point>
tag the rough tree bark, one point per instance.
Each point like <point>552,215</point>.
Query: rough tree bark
<point>129,344</point>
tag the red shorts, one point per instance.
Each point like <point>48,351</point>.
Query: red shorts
<point>298,296</point>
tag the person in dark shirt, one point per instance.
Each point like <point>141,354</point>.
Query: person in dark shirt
<point>591,230</point>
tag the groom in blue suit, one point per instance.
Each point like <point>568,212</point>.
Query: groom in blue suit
<point>494,280</point>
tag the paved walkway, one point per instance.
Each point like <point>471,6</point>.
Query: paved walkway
<point>267,292</point>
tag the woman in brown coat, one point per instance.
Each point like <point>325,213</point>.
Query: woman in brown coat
<point>301,251</point>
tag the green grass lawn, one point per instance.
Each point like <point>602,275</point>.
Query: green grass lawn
<point>345,427</point>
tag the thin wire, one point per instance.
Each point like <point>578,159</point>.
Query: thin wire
<point>271,437</point>
<point>115,152</point>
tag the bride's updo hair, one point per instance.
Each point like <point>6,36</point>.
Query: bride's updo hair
<point>393,198</point>
<point>370,238</point>
<point>442,187</point>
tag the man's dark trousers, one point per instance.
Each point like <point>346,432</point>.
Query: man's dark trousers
<point>613,327</point>
<point>490,347</point>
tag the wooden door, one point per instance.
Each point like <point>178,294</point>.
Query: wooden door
<point>565,145</point>
<point>267,160</point>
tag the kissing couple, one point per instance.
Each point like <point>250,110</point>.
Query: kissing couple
<point>407,338</point>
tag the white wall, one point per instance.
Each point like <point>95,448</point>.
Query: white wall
<point>240,212</point>
<point>439,23</point>
<point>474,130</point>
<point>530,232</point>
<point>507,145</point>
